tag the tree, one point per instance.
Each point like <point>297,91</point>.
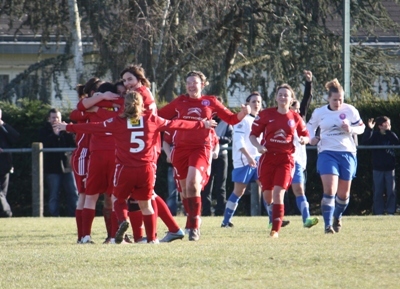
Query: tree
<point>242,44</point>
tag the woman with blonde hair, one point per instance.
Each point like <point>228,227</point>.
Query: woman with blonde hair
<point>337,161</point>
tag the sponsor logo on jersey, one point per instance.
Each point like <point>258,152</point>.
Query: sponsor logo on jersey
<point>135,123</point>
<point>194,110</point>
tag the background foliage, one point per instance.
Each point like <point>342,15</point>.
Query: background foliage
<point>240,45</point>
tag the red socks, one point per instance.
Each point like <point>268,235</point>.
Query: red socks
<point>165,215</point>
<point>78,218</point>
<point>87,221</point>
<point>278,212</point>
<point>193,213</point>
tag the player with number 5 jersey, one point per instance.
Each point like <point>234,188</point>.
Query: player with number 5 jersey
<point>135,133</point>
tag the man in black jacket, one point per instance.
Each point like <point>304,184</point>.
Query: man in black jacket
<point>57,169</point>
<point>8,136</point>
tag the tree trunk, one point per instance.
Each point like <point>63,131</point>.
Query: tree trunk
<point>77,49</point>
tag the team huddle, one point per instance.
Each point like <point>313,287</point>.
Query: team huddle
<point>118,144</point>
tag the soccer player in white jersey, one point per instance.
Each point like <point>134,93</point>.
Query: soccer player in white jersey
<point>244,156</point>
<point>337,162</point>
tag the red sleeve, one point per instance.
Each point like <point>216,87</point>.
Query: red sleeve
<point>80,106</point>
<point>224,113</point>
<point>168,111</point>
<point>106,114</point>
<point>168,137</point>
<point>176,124</point>
<point>92,127</point>
<point>258,126</point>
<point>109,103</point>
<point>77,115</point>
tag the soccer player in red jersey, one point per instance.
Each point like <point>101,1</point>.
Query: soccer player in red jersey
<point>80,159</point>
<point>135,133</point>
<point>276,165</point>
<point>191,154</point>
<point>101,162</point>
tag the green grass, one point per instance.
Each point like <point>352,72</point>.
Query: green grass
<point>41,253</point>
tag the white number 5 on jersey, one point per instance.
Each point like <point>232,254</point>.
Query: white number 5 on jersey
<point>135,139</point>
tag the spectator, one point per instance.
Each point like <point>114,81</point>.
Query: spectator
<point>219,171</point>
<point>8,136</point>
<point>383,164</point>
<point>57,168</point>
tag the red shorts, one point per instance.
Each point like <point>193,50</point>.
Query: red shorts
<point>275,170</point>
<point>183,158</point>
<point>80,183</point>
<point>79,161</point>
<point>135,182</point>
<point>100,172</point>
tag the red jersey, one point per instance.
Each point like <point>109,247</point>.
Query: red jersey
<point>135,142</point>
<point>185,107</point>
<point>101,141</point>
<point>82,140</point>
<point>278,130</point>
<point>148,99</point>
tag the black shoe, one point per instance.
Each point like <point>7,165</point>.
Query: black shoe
<point>285,223</point>
<point>229,225</point>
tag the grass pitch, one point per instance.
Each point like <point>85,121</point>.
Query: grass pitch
<point>42,253</point>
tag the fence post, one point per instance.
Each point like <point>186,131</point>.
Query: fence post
<point>255,199</point>
<point>37,179</point>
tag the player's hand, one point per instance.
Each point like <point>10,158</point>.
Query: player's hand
<point>308,75</point>
<point>346,126</point>
<point>209,123</point>
<point>59,127</point>
<point>304,140</point>
<point>315,140</point>
<point>245,109</point>
<point>262,149</point>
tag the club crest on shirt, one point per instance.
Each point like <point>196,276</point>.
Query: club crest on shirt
<point>133,123</point>
<point>291,123</point>
<point>342,116</point>
<point>205,102</point>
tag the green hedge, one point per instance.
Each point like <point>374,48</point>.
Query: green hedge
<point>28,116</point>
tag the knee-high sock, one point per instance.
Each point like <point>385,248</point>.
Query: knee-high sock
<point>303,207</point>
<point>340,207</point>
<point>150,225</point>
<point>193,215</point>
<point>78,218</point>
<point>165,215</point>
<point>136,219</point>
<point>327,207</point>
<point>230,208</point>
<point>186,207</point>
<point>121,210</point>
<point>278,212</point>
<point>107,220</point>
<point>87,221</point>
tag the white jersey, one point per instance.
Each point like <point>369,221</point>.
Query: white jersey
<point>300,153</point>
<point>240,139</point>
<point>332,136</point>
